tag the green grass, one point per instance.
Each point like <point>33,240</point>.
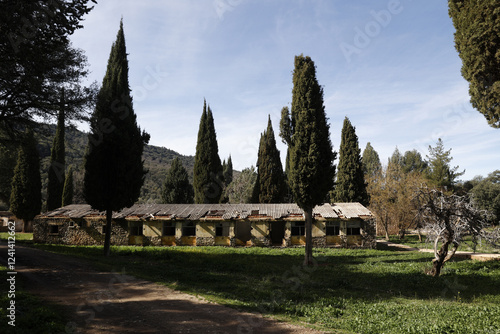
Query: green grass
<point>348,291</point>
<point>19,236</point>
<point>32,314</point>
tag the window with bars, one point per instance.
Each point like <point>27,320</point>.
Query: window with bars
<point>136,229</point>
<point>353,229</point>
<point>298,228</point>
<point>332,228</point>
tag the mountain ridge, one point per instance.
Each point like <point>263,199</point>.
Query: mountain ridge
<point>157,160</point>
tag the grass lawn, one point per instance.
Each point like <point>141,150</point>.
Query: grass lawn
<point>348,291</point>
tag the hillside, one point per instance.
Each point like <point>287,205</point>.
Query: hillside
<point>156,159</point>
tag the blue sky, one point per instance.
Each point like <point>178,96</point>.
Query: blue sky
<point>388,65</point>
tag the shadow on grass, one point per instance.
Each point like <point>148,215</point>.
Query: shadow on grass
<point>254,276</point>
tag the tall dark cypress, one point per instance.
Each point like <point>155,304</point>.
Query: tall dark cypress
<point>228,171</point>
<point>26,197</point>
<point>68,190</point>
<point>351,185</point>
<point>208,179</point>
<point>310,150</point>
<point>270,185</point>
<point>56,174</point>
<point>114,170</point>
<point>477,40</point>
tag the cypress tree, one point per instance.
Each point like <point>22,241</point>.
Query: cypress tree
<point>286,135</point>
<point>208,180</point>
<point>67,195</point>
<point>371,161</point>
<point>310,150</point>
<point>228,171</point>
<point>57,162</point>
<point>114,171</point>
<point>270,185</point>
<point>176,188</point>
<point>477,40</point>
<point>26,197</point>
<point>351,185</point>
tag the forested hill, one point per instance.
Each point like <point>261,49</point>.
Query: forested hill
<point>156,159</point>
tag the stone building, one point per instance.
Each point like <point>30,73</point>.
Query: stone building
<point>334,225</point>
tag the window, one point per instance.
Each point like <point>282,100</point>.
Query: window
<point>218,230</point>
<point>189,229</point>
<point>353,229</point>
<point>298,228</point>
<point>332,228</point>
<point>135,228</point>
<point>103,229</point>
<point>168,228</point>
<point>53,229</point>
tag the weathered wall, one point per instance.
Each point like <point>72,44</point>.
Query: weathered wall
<point>79,232</point>
<point>89,232</point>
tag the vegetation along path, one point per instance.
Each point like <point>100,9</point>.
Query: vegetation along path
<point>114,302</point>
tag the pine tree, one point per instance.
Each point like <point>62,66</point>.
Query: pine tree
<point>208,180</point>
<point>440,173</point>
<point>270,186</point>
<point>114,171</point>
<point>26,197</point>
<point>57,162</point>
<point>351,185</point>
<point>310,150</point>
<point>477,40</point>
<point>176,188</point>
<point>67,195</point>
<point>371,161</point>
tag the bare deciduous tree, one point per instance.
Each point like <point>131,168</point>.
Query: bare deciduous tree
<point>447,219</point>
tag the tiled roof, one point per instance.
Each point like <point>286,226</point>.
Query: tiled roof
<point>220,211</point>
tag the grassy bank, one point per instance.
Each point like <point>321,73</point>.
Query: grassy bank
<point>348,291</point>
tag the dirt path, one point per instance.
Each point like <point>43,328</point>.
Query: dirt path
<point>103,302</point>
<point>458,254</point>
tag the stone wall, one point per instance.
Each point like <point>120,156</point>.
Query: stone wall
<point>79,232</point>
<point>205,241</point>
<point>90,232</point>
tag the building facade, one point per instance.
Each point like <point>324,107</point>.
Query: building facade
<point>283,225</point>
